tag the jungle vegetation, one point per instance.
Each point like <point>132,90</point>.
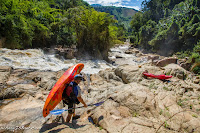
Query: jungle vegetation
<point>43,23</point>
<point>168,27</point>
<point>121,14</point>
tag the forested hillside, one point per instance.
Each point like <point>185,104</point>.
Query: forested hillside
<point>168,27</point>
<point>121,14</point>
<point>43,23</point>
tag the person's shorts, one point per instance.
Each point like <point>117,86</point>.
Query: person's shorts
<point>71,105</point>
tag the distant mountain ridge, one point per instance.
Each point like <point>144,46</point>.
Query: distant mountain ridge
<point>122,14</point>
<point>96,5</point>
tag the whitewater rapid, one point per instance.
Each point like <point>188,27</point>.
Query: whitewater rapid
<point>36,59</point>
<point>120,57</point>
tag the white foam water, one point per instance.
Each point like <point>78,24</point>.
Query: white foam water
<point>36,59</point>
<point>118,54</point>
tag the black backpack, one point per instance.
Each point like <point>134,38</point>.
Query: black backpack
<point>68,95</point>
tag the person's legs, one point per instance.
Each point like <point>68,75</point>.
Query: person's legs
<point>74,110</point>
<point>70,112</point>
<point>69,116</point>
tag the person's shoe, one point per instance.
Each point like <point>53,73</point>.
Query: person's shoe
<point>76,117</point>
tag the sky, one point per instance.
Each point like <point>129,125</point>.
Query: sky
<point>136,4</point>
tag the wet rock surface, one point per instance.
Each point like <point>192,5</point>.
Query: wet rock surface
<point>133,104</point>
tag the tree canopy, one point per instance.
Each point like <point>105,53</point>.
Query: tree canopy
<point>43,23</point>
<point>168,27</point>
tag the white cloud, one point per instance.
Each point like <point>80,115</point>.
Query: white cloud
<point>103,2</point>
<point>134,7</point>
<point>117,3</point>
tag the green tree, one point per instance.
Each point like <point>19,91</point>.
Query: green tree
<point>92,30</point>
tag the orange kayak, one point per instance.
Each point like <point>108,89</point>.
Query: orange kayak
<point>161,77</point>
<point>55,95</point>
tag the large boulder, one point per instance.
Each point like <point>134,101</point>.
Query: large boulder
<point>20,113</point>
<point>166,61</point>
<point>133,73</point>
<point>109,74</point>
<point>46,80</point>
<point>126,72</point>
<point>18,76</point>
<point>18,91</point>
<point>176,70</point>
<point>5,69</point>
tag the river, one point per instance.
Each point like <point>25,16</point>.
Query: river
<point>36,59</point>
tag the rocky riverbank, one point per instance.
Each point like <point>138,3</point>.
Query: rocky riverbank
<point>133,104</point>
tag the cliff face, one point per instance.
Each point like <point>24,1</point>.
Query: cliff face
<point>132,102</point>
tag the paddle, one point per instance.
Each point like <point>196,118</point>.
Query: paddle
<point>60,111</point>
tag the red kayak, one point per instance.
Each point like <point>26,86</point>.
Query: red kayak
<point>161,77</point>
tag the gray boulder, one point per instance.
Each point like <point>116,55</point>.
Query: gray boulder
<point>166,61</point>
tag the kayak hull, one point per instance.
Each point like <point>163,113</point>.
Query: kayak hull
<point>55,95</point>
<point>161,77</point>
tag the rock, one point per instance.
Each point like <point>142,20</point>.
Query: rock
<point>180,61</point>
<point>36,79</point>
<point>131,102</point>
<point>125,72</point>
<point>166,61</point>
<point>109,74</point>
<point>5,73</point>
<point>19,76</point>
<point>176,70</point>
<point>128,52</point>
<point>197,80</point>
<point>46,80</point>
<point>4,77</point>
<point>131,73</point>
<point>154,62</point>
<point>67,53</point>
<point>124,111</point>
<point>10,93</point>
<point>5,69</point>
<point>153,57</point>
<point>119,56</point>
<point>197,77</point>
<point>132,51</point>
<point>21,112</point>
<point>186,65</point>
<point>70,54</point>
<point>139,54</point>
<point>18,90</point>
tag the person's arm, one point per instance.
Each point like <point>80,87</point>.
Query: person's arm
<point>80,99</point>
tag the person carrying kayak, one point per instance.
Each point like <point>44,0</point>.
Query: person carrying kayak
<point>72,95</point>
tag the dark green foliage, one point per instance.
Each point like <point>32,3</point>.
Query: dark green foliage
<point>121,14</point>
<point>146,33</point>
<point>156,9</point>
<point>42,23</point>
<point>169,26</point>
<point>177,26</point>
<point>93,30</point>
<point>166,40</point>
